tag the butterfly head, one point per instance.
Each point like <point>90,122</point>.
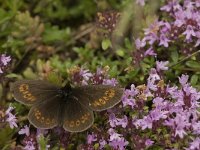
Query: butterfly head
<point>66,91</point>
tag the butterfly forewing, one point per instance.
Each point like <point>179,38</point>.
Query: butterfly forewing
<point>76,116</point>
<point>33,91</point>
<point>46,114</point>
<point>98,97</point>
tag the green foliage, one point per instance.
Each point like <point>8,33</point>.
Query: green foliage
<point>53,34</point>
<point>42,142</point>
<point>47,38</point>
<point>6,137</point>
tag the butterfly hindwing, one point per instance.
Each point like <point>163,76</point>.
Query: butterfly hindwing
<point>33,91</point>
<point>98,97</point>
<point>76,117</point>
<point>46,114</point>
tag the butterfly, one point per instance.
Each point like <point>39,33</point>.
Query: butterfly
<point>70,107</point>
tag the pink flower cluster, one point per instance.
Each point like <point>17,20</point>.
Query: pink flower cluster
<point>85,77</point>
<point>4,61</point>
<point>153,114</point>
<point>174,111</point>
<point>31,139</point>
<point>182,24</point>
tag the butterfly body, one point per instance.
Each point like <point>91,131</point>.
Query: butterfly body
<point>69,107</point>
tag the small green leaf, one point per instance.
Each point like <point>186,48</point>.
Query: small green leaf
<point>29,74</point>
<point>42,142</point>
<point>128,43</point>
<point>174,56</point>
<point>120,52</point>
<point>96,146</point>
<point>6,134</point>
<point>193,64</point>
<point>194,79</point>
<point>13,75</point>
<point>106,43</point>
<point>53,34</point>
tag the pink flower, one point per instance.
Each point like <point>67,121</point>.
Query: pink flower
<point>149,142</point>
<point>161,65</point>
<point>164,40</point>
<point>195,144</point>
<point>25,130</point>
<point>11,119</point>
<point>140,43</point>
<point>91,138</point>
<point>112,82</point>
<point>29,146</point>
<point>116,140</point>
<point>189,32</point>
<point>102,143</point>
<point>5,59</point>
<point>183,79</point>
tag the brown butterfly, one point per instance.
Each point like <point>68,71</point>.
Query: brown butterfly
<point>69,107</point>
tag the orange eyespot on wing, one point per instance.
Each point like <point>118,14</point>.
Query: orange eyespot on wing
<point>45,115</point>
<point>76,118</point>
<point>77,122</point>
<point>98,97</point>
<point>24,90</point>
<point>106,97</point>
<point>32,91</point>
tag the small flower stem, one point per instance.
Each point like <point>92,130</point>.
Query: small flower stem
<point>193,54</point>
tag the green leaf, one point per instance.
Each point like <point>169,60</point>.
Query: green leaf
<point>128,44</point>
<point>194,79</point>
<point>193,64</point>
<point>29,74</point>
<point>96,146</point>
<point>42,142</point>
<point>106,43</point>
<point>120,52</point>
<point>53,34</point>
<point>5,16</point>
<point>6,134</point>
<point>13,75</point>
<point>174,56</point>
